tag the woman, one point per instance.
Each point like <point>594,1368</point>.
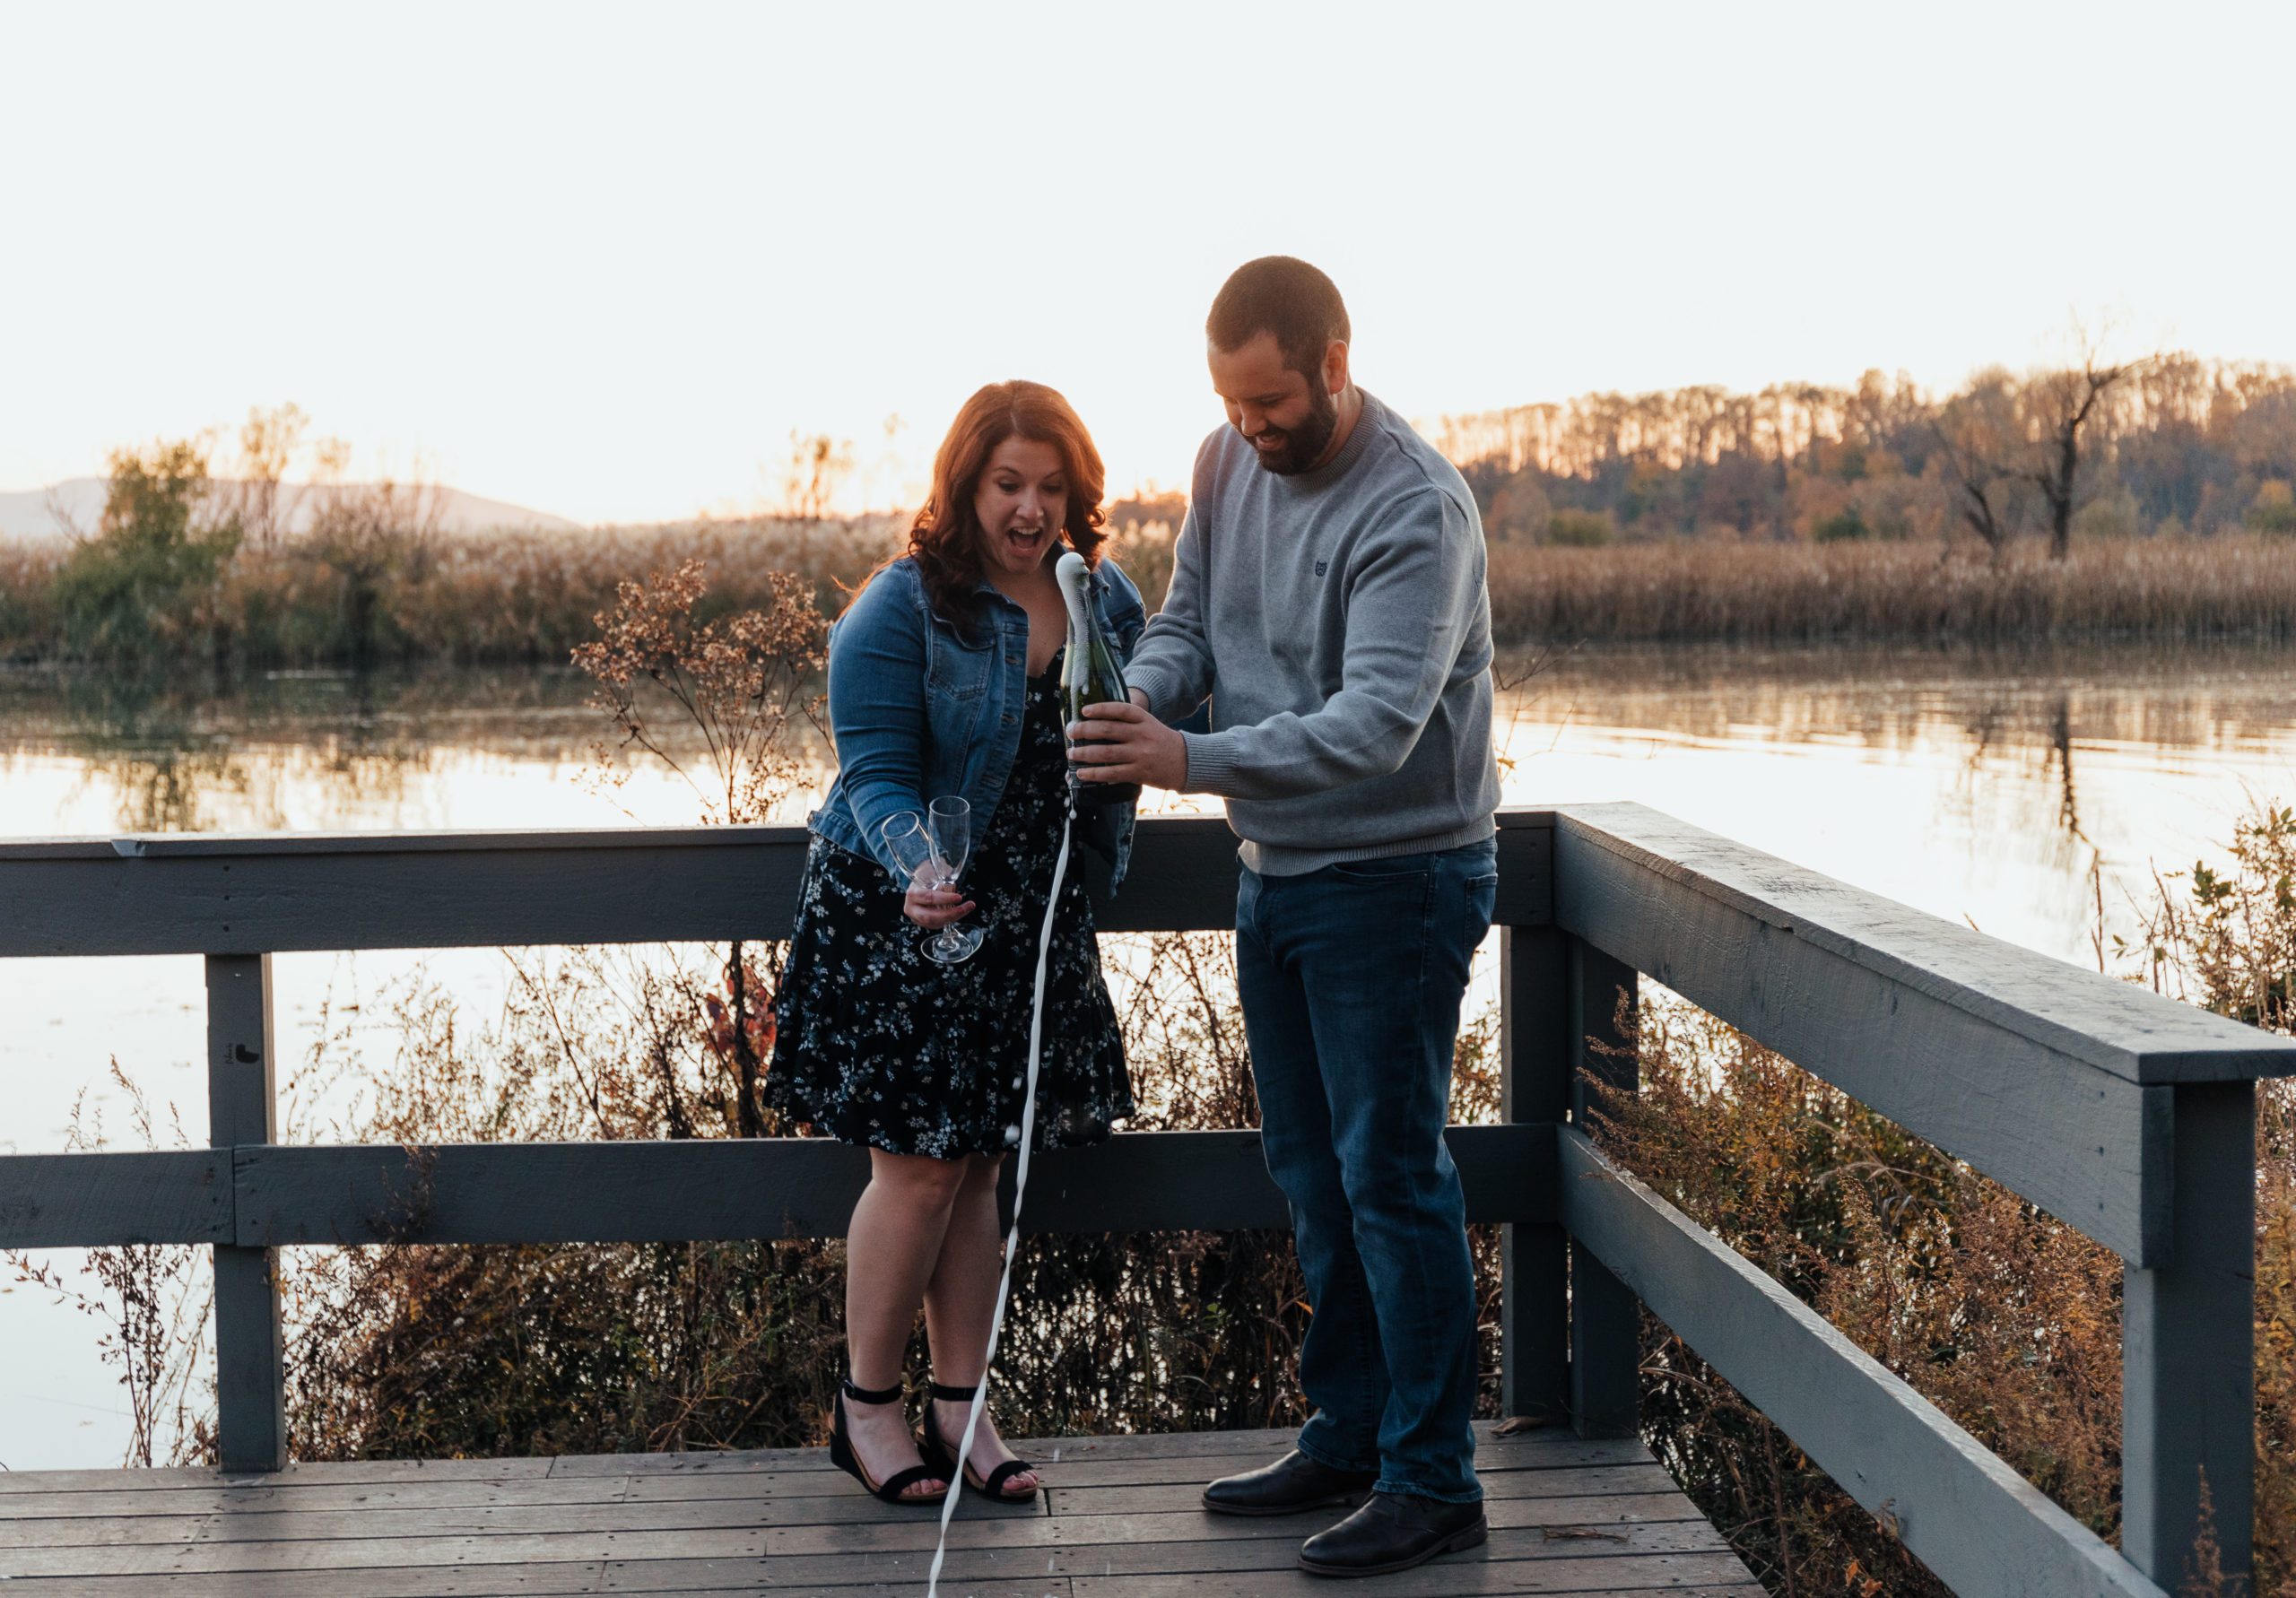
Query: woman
<point>943,677</point>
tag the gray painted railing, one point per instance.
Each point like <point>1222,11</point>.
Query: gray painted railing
<point>2120,1113</point>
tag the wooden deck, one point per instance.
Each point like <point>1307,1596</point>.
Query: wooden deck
<point>1120,1518</point>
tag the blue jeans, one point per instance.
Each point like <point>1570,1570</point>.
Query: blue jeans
<point>1351,979</point>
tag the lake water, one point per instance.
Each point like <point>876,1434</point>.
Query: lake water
<point>2031,793</point>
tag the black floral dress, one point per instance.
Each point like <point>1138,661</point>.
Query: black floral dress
<point>879,1045</point>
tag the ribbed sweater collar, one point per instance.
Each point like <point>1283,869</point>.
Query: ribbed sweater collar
<point>1359,438</point>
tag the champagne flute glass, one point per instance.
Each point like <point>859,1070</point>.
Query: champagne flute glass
<point>948,827</point>
<point>910,843</point>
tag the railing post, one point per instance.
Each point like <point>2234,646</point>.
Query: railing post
<point>1533,1086</point>
<point>1605,1320</point>
<point>250,1382</point>
<point>2188,1349</point>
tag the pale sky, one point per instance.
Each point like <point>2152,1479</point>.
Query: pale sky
<point>601,261</point>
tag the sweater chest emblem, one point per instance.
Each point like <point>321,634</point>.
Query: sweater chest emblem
<point>1319,566</point>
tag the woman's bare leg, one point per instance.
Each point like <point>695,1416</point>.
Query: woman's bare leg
<point>898,1233</point>
<point>960,1302</point>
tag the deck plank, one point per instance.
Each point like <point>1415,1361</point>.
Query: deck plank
<point>1455,1575</point>
<point>699,1517</point>
<point>577,1580</point>
<point>1272,1552</point>
<point>347,1470</point>
<point>1119,1515</point>
<point>1601,1482</point>
<point>309,1514</point>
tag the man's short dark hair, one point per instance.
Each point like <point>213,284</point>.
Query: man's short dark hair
<point>1286,297</point>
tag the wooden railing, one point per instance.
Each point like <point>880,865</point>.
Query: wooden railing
<point>2120,1113</point>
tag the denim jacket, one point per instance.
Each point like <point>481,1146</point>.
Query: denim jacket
<point>918,710</point>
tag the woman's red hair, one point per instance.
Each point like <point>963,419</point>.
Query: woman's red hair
<point>944,540</point>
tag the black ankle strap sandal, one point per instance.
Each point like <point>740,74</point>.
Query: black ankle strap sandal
<point>944,1458</point>
<point>841,1453</point>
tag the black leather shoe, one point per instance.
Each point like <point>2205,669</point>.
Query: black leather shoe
<point>1394,1532</point>
<point>1293,1483</point>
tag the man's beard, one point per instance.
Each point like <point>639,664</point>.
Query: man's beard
<point>1304,444</point>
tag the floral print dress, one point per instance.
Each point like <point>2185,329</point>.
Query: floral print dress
<point>877,1044</point>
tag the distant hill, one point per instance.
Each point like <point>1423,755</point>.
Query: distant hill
<point>25,515</point>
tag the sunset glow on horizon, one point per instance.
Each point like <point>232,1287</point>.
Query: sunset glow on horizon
<point>603,263</point>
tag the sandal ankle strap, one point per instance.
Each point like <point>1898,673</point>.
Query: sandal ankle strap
<point>948,1395</point>
<point>869,1395</point>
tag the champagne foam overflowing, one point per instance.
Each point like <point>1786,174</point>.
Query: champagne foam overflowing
<point>1020,1192</point>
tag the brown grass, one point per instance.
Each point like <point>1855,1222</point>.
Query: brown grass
<point>524,596</point>
<point>504,594</point>
<point>2159,588</point>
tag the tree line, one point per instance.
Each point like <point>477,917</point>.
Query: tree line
<point>2166,445</point>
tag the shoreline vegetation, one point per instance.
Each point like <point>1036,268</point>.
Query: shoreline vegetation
<point>2149,499</point>
<point>518,596</point>
<point>2235,585</point>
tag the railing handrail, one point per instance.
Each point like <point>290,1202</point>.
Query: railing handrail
<point>2118,1026</point>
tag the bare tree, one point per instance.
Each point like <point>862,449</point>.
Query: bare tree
<point>2059,405</point>
<point>1979,441</point>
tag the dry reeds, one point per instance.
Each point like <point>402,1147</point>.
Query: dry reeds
<point>2157,588</point>
<point>505,594</point>
<point>533,596</point>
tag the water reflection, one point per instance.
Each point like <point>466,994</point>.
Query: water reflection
<point>2031,793</point>
<point>1887,698</point>
<point>289,751</point>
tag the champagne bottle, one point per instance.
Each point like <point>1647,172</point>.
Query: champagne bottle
<point>1089,673</point>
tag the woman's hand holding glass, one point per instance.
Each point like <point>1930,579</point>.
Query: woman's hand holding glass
<point>934,909</point>
<point>931,851</point>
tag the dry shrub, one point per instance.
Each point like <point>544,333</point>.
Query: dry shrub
<point>418,1350</point>
<point>2224,937</point>
<point>2157,588</point>
<point>2276,1486</point>
<point>2006,1318</point>
<point>153,1300</point>
<point>2227,942</point>
<point>30,623</point>
<point>742,683</point>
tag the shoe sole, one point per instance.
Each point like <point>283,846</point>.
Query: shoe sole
<point>1346,1500</point>
<point>1474,1536</point>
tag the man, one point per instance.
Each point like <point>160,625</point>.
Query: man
<point>1327,595</point>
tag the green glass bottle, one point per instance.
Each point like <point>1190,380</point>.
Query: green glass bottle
<point>1089,672</point>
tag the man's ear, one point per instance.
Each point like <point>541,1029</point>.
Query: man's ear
<point>1335,367</point>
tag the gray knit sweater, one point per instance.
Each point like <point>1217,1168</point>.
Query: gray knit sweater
<point>1339,623</point>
